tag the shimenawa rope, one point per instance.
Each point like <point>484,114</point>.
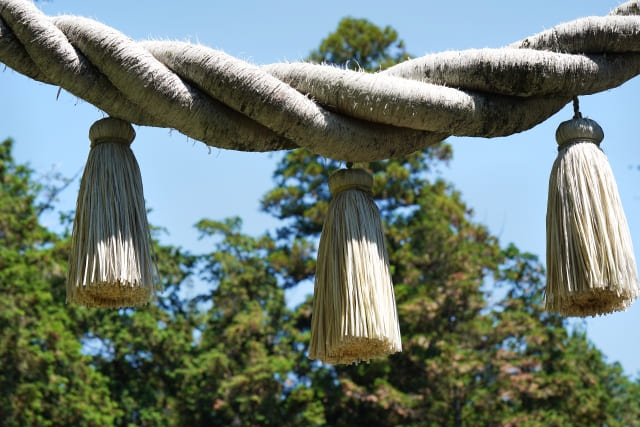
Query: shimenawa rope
<point>346,115</point>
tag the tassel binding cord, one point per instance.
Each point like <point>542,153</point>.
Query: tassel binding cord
<point>110,262</point>
<point>354,310</point>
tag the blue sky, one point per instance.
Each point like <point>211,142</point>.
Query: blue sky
<point>504,180</point>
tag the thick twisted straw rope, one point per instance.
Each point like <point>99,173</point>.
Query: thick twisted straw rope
<point>346,115</point>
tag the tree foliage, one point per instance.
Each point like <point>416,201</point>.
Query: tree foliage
<point>223,347</point>
<point>360,44</point>
<point>45,379</point>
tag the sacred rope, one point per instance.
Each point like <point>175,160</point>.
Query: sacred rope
<point>342,114</point>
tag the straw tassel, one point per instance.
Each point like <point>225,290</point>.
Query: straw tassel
<point>354,309</point>
<point>110,263</point>
<point>591,267</point>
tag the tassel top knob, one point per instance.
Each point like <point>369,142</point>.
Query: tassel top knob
<point>579,129</point>
<point>111,129</point>
<point>350,179</point>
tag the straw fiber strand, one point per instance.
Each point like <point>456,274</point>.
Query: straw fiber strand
<point>110,261</point>
<point>354,310</point>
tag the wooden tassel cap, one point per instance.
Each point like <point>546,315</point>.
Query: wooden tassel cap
<point>591,266</point>
<point>354,309</point>
<point>110,263</point>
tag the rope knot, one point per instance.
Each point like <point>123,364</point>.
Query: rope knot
<point>111,129</point>
<point>350,179</point>
<point>578,129</point>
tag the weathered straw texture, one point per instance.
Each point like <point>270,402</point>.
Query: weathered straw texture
<point>591,268</point>
<point>354,310</point>
<point>110,263</point>
<point>341,114</point>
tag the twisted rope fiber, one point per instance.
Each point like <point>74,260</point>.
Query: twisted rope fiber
<point>342,114</point>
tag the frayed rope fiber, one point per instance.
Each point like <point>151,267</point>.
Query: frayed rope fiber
<point>591,268</point>
<point>110,263</point>
<point>354,309</point>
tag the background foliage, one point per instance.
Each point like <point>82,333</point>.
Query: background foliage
<point>477,347</point>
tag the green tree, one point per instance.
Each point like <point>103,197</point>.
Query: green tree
<point>245,348</point>
<point>44,377</point>
<point>143,351</point>
<point>360,44</point>
<point>66,365</point>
